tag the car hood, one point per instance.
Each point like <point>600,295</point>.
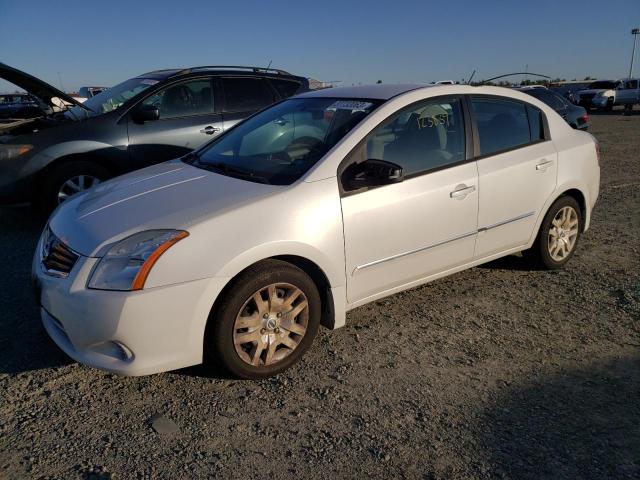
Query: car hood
<point>35,86</point>
<point>170,195</point>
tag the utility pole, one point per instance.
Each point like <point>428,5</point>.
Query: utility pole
<point>635,32</point>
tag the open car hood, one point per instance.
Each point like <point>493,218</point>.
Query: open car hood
<point>35,86</point>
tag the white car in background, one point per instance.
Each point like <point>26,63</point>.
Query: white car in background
<point>321,203</point>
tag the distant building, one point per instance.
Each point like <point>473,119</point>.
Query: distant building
<point>318,84</point>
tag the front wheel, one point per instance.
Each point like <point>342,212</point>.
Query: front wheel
<point>265,322</point>
<point>65,180</point>
<point>558,235</point>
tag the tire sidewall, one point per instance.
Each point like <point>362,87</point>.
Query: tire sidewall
<point>219,340</point>
<point>543,239</point>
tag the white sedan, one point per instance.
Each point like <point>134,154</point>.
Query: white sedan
<point>236,253</point>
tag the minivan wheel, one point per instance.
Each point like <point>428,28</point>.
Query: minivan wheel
<point>265,322</point>
<point>67,179</point>
<point>558,235</point>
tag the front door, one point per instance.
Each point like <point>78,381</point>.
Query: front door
<point>404,232</point>
<point>517,172</point>
<point>187,120</point>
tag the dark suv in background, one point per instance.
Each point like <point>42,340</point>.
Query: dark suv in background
<point>148,119</point>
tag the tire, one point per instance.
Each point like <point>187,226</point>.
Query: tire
<point>544,252</point>
<point>240,333</point>
<point>55,179</point>
<point>609,105</point>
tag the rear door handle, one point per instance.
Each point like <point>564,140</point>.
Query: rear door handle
<point>461,191</point>
<point>542,166</point>
<point>209,130</point>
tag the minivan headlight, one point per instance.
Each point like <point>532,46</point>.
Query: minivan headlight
<point>127,264</point>
<point>8,152</point>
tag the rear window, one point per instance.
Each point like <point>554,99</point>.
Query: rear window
<point>285,88</point>
<point>502,124</point>
<point>246,94</point>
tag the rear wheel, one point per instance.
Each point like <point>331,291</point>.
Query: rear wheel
<point>266,321</point>
<point>65,180</point>
<point>558,235</point>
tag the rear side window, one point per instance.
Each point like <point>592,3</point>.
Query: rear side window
<point>285,88</point>
<point>246,94</point>
<point>502,124</point>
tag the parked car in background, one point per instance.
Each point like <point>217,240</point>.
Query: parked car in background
<point>148,119</point>
<point>89,92</point>
<point>575,115</point>
<point>569,89</point>
<point>19,105</point>
<point>237,252</point>
<point>598,94</point>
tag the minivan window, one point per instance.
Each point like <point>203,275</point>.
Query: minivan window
<point>428,136</point>
<point>246,94</point>
<point>277,146</point>
<point>502,124</point>
<point>194,97</point>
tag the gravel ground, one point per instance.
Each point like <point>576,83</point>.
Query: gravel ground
<point>496,372</point>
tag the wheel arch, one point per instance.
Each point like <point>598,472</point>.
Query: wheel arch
<point>333,306</point>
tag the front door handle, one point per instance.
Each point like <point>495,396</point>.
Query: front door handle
<point>209,130</point>
<point>542,166</point>
<point>461,191</point>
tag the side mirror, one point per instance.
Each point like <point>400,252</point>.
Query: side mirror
<point>371,173</point>
<point>145,113</point>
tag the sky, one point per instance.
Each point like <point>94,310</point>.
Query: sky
<point>80,43</point>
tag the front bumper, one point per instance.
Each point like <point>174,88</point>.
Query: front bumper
<point>130,333</point>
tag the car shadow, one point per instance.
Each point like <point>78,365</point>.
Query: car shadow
<point>581,423</point>
<point>24,345</point>
<point>514,262</point>
<point>615,112</point>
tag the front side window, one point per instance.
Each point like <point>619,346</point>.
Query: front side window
<point>631,85</point>
<point>184,99</point>
<point>277,146</point>
<point>246,94</point>
<point>502,124</point>
<point>428,136</point>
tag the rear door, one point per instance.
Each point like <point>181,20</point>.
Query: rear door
<point>404,232</point>
<point>517,168</point>
<point>243,96</point>
<point>188,118</point>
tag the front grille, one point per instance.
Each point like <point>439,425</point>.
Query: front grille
<point>57,258</point>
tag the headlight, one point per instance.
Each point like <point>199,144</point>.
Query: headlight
<point>127,264</point>
<point>12,151</point>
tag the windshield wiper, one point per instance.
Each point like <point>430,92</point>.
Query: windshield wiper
<point>234,171</point>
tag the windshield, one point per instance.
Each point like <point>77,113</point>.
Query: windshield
<point>603,85</point>
<point>112,98</point>
<point>278,145</point>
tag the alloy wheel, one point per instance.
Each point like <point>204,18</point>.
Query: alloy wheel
<point>75,185</point>
<point>563,233</point>
<point>271,324</point>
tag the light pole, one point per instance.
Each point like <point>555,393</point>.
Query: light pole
<point>635,32</point>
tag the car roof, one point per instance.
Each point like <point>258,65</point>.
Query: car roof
<point>218,69</point>
<point>374,92</point>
